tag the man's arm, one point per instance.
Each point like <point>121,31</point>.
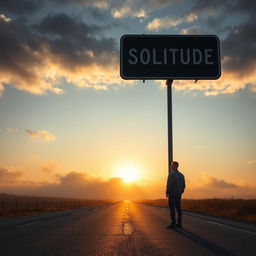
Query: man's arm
<point>184,184</point>
<point>168,185</point>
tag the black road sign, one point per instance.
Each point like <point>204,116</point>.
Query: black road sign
<point>170,57</point>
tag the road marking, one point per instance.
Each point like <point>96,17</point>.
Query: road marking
<point>127,228</point>
<point>75,212</point>
<point>231,227</point>
<point>28,224</point>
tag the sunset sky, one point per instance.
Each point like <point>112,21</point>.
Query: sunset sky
<point>71,126</point>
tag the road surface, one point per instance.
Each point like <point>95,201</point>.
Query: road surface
<point>124,228</point>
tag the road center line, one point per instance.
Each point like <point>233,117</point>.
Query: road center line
<point>235,228</point>
<point>127,228</point>
<point>28,224</point>
<point>76,212</point>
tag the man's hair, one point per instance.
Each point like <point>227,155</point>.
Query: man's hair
<point>175,163</point>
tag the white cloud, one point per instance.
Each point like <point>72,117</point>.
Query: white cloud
<point>168,21</point>
<point>41,135</point>
<point>228,83</point>
<point>101,4</point>
<point>8,129</point>
<point>208,186</point>
<point>190,31</point>
<point>127,11</point>
<point>4,18</point>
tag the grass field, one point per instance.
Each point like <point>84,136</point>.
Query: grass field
<point>242,209</point>
<point>13,205</point>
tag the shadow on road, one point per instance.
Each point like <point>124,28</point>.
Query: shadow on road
<point>217,250</point>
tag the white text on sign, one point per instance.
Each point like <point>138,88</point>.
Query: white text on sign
<point>171,56</point>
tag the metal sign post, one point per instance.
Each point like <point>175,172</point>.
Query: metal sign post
<point>169,115</point>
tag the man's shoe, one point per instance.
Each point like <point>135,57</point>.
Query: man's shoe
<point>171,226</point>
<point>179,225</point>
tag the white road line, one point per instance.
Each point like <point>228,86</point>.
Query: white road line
<point>28,224</point>
<point>231,227</point>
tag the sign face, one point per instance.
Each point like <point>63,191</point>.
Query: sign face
<point>169,57</point>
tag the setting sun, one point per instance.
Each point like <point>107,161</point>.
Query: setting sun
<point>128,173</point>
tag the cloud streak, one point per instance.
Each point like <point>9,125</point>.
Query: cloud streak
<point>41,135</point>
<point>220,183</point>
<point>168,22</point>
<point>208,186</point>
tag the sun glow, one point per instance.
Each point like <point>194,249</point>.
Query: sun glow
<point>128,173</point>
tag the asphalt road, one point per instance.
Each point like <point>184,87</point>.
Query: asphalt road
<point>124,228</point>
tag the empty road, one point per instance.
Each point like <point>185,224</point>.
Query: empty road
<point>124,228</point>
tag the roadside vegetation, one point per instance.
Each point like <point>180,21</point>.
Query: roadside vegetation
<point>13,205</point>
<point>241,209</point>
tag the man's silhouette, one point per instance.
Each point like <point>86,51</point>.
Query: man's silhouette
<point>174,189</point>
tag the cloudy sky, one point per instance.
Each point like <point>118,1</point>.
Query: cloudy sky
<point>70,126</point>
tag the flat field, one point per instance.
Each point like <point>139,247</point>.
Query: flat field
<point>14,205</point>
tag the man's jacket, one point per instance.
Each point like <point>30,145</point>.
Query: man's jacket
<point>175,183</point>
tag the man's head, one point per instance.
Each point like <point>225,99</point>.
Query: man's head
<point>175,165</point>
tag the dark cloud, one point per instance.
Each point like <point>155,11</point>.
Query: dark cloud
<point>74,42</point>
<point>8,177</point>
<point>19,6</point>
<point>210,6</point>
<point>34,57</point>
<point>64,25</point>
<point>28,7</point>
<point>79,185</point>
<point>218,11</point>
<point>209,186</point>
<point>80,2</point>
<point>220,183</point>
<point>246,6</point>
<point>147,4</point>
<point>20,51</point>
<point>240,47</point>
<point>139,9</point>
<point>98,14</point>
<point>76,184</point>
<point>158,4</point>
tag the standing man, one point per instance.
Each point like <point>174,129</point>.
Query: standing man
<point>174,189</point>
